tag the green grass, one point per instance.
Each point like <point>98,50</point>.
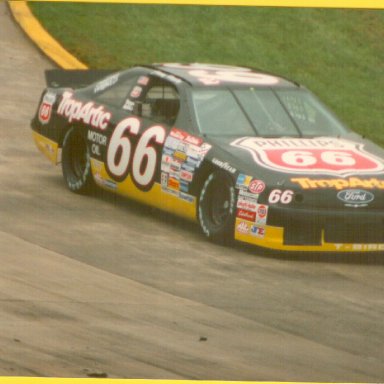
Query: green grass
<point>339,54</point>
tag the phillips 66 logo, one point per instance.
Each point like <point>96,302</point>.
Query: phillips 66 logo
<point>45,109</point>
<point>316,156</point>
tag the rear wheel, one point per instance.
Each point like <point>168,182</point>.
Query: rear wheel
<point>76,163</point>
<point>216,210</point>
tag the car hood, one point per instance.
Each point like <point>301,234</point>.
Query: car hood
<point>343,171</point>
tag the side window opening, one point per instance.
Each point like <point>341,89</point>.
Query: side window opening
<point>161,102</point>
<point>116,94</point>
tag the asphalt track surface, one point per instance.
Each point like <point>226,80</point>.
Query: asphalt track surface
<point>101,286</point>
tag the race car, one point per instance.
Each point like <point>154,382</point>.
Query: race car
<point>249,155</point>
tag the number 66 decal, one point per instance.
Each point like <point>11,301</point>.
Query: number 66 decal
<point>140,160</point>
<point>279,196</point>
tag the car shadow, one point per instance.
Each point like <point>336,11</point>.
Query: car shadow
<point>171,220</point>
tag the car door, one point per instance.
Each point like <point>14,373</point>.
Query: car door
<point>134,151</point>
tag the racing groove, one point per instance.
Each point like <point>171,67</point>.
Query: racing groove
<point>100,286</point>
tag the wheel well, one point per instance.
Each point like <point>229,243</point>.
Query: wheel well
<point>206,169</point>
<point>216,213</point>
<point>75,162</point>
<point>66,129</point>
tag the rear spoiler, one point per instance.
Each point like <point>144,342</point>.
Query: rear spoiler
<point>77,78</point>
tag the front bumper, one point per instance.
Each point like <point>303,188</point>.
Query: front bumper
<point>318,231</point>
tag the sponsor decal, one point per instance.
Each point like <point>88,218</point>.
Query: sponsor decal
<point>182,147</point>
<point>204,148</point>
<point>244,193</point>
<point>171,78</point>
<point>216,74</point>
<point>224,165</point>
<point>168,151</point>
<point>97,165</point>
<point>193,140</point>
<point>359,247</point>
<point>98,178</point>
<point>110,184</point>
<point>175,166</point>
<point>339,184</point>
<point>187,167</point>
<point>243,181</point>
<point>256,186</point>
<point>165,167</point>
<point>177,134</point>
<point>166,162</point>
<point>243,228</point>
<point>194,152</point>
<point>167,159</point>
<point>75,110</point>
<point>172,143</point>
<point>187,176</point>
<point>105,182</point>
<point>258,231</point>
<point>106,83</point>
<point>95,149</point>
<point>45,110</point>
<point>184,187</point>
<point>173,183</point>
<point>48,147</point>
<point>174,175</point>
<point>180,156</point>
<point>172,192</point>
<point>246,215</point>
<point>192,162</point>
<point>279,196</point>
<point>186,197</point>
<point>186,137</point>
<point>261,214</point>
<point>355,197</point>
<point>143,80</point>
<point>215,78</point>
<point>247,204</point>
<point>136,92</point>
<point>96,137</point>
<point>128,105</point>
<point>329,156</point>
<point>164,180</point>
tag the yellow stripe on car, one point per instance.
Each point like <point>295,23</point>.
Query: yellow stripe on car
<point>155,197</point>
<point>46,146</point>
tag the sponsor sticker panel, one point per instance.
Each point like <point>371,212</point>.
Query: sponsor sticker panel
<point>251,216</point>
<point>182,155</point>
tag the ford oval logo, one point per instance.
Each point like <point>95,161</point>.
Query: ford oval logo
<point>355,197</point>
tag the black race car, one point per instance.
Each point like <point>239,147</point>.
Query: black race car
<point>247,154</point>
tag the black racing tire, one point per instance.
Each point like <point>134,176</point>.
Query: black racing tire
<point>216,210</point>
<point>76,162</point>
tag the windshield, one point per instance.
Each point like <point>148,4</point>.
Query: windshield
<point>263,112</point>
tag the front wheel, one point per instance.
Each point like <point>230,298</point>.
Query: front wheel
<point>216,210</point>
<point>76,163</point>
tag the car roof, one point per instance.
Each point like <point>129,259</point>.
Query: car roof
<point>203,75</point>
